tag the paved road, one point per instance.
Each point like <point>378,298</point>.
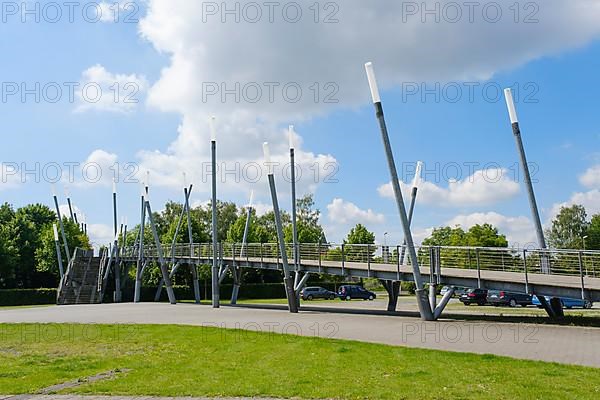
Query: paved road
<point>571,345</point>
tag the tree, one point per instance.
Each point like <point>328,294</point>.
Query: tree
<point>446,236</point>
<point>593,233</point>
<point>9,256</point>
<point>568,228</point>
<point>360,235</point>
<point>356,242</point>
<point>45,253</point>
<point>485,236</point>
<point>307,224</point>
<point>28,224</point>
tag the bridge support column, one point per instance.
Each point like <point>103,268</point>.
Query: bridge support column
<point>237,283</point>
<point>393,290</point>
<point>553,307</point>
<point>433,295</point>
<point>196,283</point>
<point>300,282</point>
<point>161,260</point>
<point>557,308</point>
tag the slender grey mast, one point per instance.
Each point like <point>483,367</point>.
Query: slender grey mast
<point>116,231</point>
<point>293,179</point>
<point>114,198</point>
<point>69,203</point>
<point>287,277</point>
<point>237,273</point>
<point>413,201</point>
<point>62,226</point>
<point>422,300</point>
<point>140,260</point>
<point>514,120</point>
<point>215,245</point>
<point>58,255</point>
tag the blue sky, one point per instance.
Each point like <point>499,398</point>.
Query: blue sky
<point>168,56</point>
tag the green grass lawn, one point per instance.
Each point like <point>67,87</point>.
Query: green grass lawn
<point>197,361</point>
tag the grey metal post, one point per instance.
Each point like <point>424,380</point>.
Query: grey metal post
<point>116,229</point>
<point>58,255</point>
<point>287,277</point>
<point>237,270</point>
<point>161,260</point>
<point>411,210</point>
<point>140,261</point>
<point>581,275</point>
<point>526,174</point>
<point>432,278</point>
<point>544,262</point>
<point>478,269</point>
<point>526,274</point>
<point>215,266</point>
<point>422,300</point>
<point>62,228</point>
<point>293,179</point>
<point>195,281</point>
<point>69,204</point>
<point>117,298</point>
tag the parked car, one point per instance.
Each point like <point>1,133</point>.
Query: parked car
<point>316,292</point>
<point>474,296</point>
<point>566,302</point>
<point>458,290</point>
<point>502,298</point>
<point>349,292</point>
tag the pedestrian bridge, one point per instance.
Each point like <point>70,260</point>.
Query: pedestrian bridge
<point>555,273</point>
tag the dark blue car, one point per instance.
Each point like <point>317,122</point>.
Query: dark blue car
<point>566,302</point>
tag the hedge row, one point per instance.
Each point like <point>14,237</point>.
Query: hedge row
<point>27,297</point>
<point>23,297</point>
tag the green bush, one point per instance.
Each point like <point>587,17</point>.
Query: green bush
<point>27,297</point>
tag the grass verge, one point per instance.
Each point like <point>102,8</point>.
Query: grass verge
<point>166,360</point>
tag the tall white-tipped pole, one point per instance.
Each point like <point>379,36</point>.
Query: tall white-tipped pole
<point>58,255</point>
<point>514,120</point>
<point>372,83</point>
<point>422,300</point>
<point>215,265</point>
<point>287,278</point>
<point>291,134</point>
<point>60,223</point>
<point>295,243</point>
<point>417,178</point>
<point>510,104</point>
<point>69,203</point>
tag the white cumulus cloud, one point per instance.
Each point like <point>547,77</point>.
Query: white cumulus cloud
<point>259,74</point>
<point>102,90</point>
<point>591,177</point>
<point>484,187</point>
<point>345,212</point>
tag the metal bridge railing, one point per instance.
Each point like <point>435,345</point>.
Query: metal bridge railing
<point>527,261</point>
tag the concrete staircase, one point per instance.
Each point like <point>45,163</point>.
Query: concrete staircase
<point>80,283</point>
